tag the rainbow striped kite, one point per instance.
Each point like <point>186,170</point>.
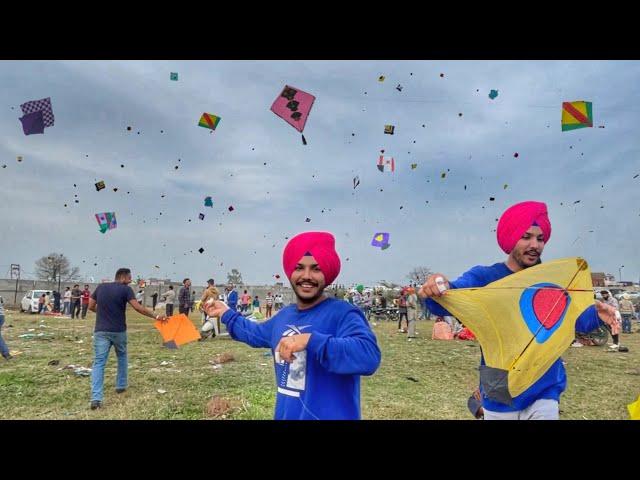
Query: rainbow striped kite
<point>208,120</point>
<point>576,115</point>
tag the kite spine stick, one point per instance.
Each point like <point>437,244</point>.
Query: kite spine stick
<point>567,289</point>
<point>304,140</point>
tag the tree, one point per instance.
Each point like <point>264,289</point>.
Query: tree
<point>419,275</point>
<point>235,277</point>
<point>56,267</point>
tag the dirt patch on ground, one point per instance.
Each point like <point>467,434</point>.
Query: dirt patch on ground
<point>222,358</point>
<point>219,407</point>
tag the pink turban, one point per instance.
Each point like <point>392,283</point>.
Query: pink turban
<point>517,219</point>
<point>320,245</point>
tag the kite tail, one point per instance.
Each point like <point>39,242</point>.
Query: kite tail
<point>304,140</point>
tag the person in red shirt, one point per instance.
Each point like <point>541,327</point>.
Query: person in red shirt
<point>85,296</point>
<point>245,299</point>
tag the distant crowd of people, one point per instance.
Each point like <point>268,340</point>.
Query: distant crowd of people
<point>72,303</point>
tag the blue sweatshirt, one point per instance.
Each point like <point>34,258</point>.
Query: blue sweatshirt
<point>323,382</point>
<point>232,299</point>
<point>554,381</point>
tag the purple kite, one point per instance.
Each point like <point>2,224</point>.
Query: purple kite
<point>32,123</point>
<point>380,240</point>
<point>293,106</point>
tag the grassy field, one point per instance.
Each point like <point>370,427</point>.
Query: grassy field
<point>601,383</point>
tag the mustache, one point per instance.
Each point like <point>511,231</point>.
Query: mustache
<point>307,281</point>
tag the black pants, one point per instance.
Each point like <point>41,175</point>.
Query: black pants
<point>153,303</point>
<point>75,308</point>
<point>169,307</point>
<point>84,309</point>
<point>400,319</point>
<point>184,310</point>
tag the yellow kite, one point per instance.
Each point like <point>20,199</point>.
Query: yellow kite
<point>524,321</point>
<point>634,409</point>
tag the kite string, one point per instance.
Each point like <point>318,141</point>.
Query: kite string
<point>265,340</point>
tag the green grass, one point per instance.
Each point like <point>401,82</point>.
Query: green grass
<point>601,383</point>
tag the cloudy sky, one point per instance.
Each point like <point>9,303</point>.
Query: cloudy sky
<point>440,225</point>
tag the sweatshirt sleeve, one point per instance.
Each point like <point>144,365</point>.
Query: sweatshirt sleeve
<point>588,320</point>
<point>468,279</point>
<point>257,335</point>
<point>352,351</point>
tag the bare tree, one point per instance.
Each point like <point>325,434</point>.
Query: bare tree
<point>56,267</point>
<point>235,277</point>
<point>419,275</point>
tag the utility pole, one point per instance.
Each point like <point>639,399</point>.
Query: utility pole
<point>59,275</point>
<point>15,268</point>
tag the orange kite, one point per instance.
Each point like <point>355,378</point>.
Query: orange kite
<point>177,330</point>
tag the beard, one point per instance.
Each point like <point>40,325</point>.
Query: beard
<point>526,261</point>
<point>307,297</point>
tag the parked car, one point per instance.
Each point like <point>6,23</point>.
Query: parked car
<point>29,302</point>
<point>629,295</point>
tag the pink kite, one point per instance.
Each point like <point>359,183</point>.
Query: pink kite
<point>293,106</point>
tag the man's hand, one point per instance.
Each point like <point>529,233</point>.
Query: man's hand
<point>215,308</point>
<point>289,345</point>
<point>430,287</point>
<point>161,318</point>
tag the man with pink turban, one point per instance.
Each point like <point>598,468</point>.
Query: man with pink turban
<point>523,231</point>
<point>321,345</point>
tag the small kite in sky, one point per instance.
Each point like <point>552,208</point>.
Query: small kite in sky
<point>399,88</point>
<point>106,220</point>
<point>201,216</point>
<point>293,106</point>
<point>177,330</point>
<point>208,120</point>
<point>208,202</point>
<point>38,115</point>
<point>413,166</point>
<point>356,181</point>
<point>201,250</point>
<point>231,208</point>
<point>493,94</point>
<point>174,76</point>
<point>388,129</point>
<point>100,185</point>
<point>386,164</point>
<point>380,240</point>
<point>381,78</point>
<point>576,115</point>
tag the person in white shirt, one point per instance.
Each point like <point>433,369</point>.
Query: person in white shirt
<point>67,302</point>
<point>169,297</point>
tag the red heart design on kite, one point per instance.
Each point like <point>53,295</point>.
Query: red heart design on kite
<point>549,305</point>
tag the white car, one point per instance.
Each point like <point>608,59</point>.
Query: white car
<point>29,303</point>
<point>629,295</point>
